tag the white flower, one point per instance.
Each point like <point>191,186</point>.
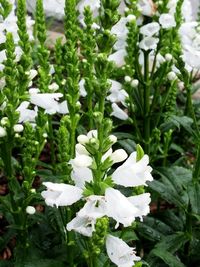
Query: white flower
<point>26,114</point>
<point>18,128</point>
<point>148,43</point>
<point>150,29</point>
<point>141,202</point>
<point>118,112</point>
<point>93,4</point>
<point>132,172</point>
<point>82,90</point>
<point>82,225</point>
<point>80,175</point>
<point>81,150</point>
<point>167,21</point>
<point>119,252</point>
<point>63,107</point>
<point>53,87</point>
<point>113,138</point>
<point>118,155</point>
<point>30,210</point>
<point>94,208</point>
<point>117,93</point>
<point>47,101</point>
<point>118,57</point>
<point>147,7</point>
<point>2,132</point>
<point>61,194</point>
<point>121,31</point>
<point>82,161</point>
<point>32,74</point>
<point>124,212</point>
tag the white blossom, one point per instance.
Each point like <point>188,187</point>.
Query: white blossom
<point>141,202</point>
<point>82,225</point>
<point>94,208</point>
<point>61,194</point>
<point>119,252</point>
<point>117,94</point>
<point>82,161</point>
<point>53,87</point>
<point>118,57</point>
<point>118,155</point>
<point>147,7</point>
<point>124,212</point>
<point>148,43</point>
<point>167,21</point>
<point>150,29</point>
<point>118,112</point>
<point>48,101</point>
<point>26,114</point>
<point>82,90</point>
<point>132,172</point>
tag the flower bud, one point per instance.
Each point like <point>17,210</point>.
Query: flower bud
<point>113,139</point>
<point>171,76</point>
<point>53,87</point>
<point>45,135</point>
<point>4,121</point>
<point>82,139</point>
<point>30,210</point>
<point>131,17</point>
<point>81,150</point>
<point>83,161</point>
<point>168,57</point>
<point>134,83</point>
<point>2,132</point>
<point>127,79</point>
<point>118,155</point>
<point>18,128</point>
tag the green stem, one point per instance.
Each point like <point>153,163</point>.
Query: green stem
<point>52,147</point>
<point>196,171</point>
<point>146,102</point>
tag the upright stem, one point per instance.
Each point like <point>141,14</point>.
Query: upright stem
<point>51,140</point>
<point>196,171</point>
<point>146,102</point>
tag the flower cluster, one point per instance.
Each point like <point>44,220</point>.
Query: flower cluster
<point>133,172</point>
<point>9,24</point>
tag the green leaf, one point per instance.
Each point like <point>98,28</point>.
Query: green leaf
<point>167,257</point>
<point>194,197</point>
<point>140,152</point>
<point>153,229</point>
<point>128,144</point>
<point>173,243</point>
<point>42,263</point>
<point>172,185</point>
<point>177,122</point>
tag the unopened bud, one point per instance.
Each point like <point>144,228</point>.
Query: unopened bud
<point>18,128</point>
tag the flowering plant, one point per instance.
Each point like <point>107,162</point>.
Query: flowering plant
<point>78,189</point>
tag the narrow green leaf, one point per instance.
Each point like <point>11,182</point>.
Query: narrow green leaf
<point>168,258</point>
